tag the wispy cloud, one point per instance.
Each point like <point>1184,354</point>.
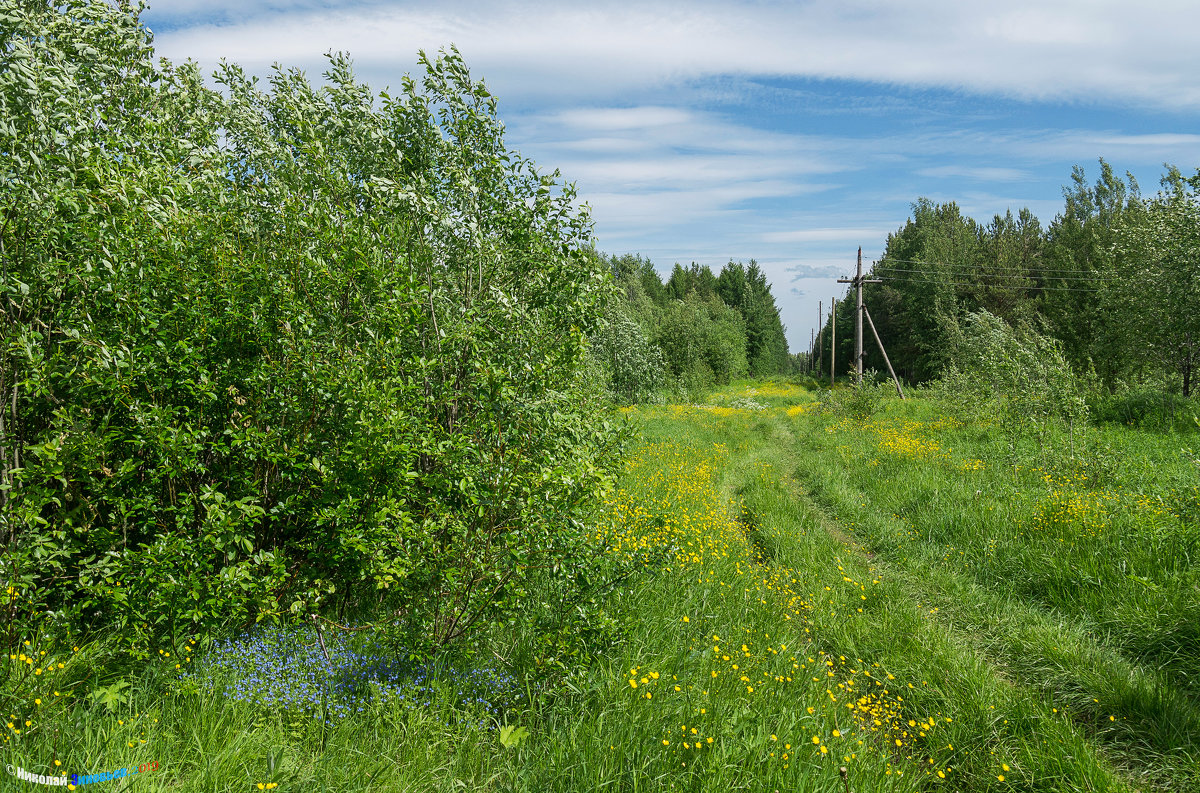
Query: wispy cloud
<point>975,173</point>
<point>823,235</point>
<point>1022,48</point>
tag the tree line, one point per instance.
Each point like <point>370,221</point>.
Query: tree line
<point>1113,281</point>
<point>696,330</point>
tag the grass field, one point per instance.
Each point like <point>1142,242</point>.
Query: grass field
<point>925,601</point>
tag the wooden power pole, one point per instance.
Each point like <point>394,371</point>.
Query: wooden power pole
<point>832,341</point>
<point>858,282</point>
<point>820,336</point>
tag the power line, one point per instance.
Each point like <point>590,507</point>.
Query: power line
<point>985,274</point>
<point>910,280</point>
<point>887,259</point>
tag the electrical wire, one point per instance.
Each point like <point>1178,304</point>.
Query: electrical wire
<point>909,280</point>
<point>966,265</point>
<point>986,274</point>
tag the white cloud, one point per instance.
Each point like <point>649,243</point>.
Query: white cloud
<point>974,173</point>
<point>1142,53</point>
<point>823,235</point>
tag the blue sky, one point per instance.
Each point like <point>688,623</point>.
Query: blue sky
<point>791,133</point>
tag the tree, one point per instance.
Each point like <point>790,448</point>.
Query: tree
<point>280,348</point>
<point>1079,263</point>
<point>923,265</point>
<point>1158,256</point>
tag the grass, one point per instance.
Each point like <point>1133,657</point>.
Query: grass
<point>911,597</point>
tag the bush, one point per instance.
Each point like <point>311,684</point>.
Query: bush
<point>633,366</point>
<point>1147,407</point>
<point>1018,374</point>
<point>271,352</point>
<point>703,341</point>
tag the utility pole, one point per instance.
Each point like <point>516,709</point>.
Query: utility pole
<point>832,340</point>
<point>858,282</point>
<point>812,348</point>
<point>820,335</point>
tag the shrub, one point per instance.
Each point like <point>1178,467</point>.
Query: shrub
<point>274,351</point>
<point>1017,373</point>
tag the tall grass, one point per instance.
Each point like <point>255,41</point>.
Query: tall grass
<point>892,594</point>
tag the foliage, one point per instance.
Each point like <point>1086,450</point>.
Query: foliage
<point>1018,373</point>
<point>634,367</point>
<point>1110,255</point>
<point>1080,256</point>
<point>1158,249</point>
<point>703,341</point>
<point>709,329</point>
<point>283,349</point>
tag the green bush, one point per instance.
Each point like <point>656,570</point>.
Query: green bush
<point>1148,407</point>
<point>703,341</point>
<point>1014,373</point>
<point>633,366</point>
<point>271,351</point>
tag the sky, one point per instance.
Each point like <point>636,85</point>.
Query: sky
<point>790,133</point>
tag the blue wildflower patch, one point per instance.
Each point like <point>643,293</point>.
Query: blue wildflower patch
<point>285,669</point>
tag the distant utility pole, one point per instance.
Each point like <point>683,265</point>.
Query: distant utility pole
<point>832,340</point>
<point>858,282</point>
<point>820,335</point>
<point>812,346</point>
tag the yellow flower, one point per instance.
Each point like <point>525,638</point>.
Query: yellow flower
<point>666,742</point>
<point>1000,777</point>
<point>632,683</point>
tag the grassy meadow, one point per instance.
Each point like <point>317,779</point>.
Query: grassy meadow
<point>821,593</point>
